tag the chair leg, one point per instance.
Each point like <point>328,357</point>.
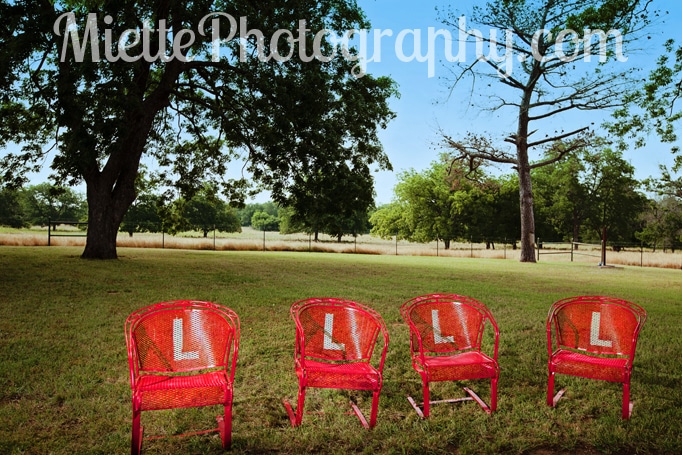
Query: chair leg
<point>627,405</point>
<point>427,399</point>
<point>136,442</point>
<point>301,403</point>
<point>550,390</point>
<point>493,394</point>
<point>375,408</point>
<point>225,426</point>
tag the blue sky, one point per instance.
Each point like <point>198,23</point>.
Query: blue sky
<point>424,108</point>
<point>410,140</point>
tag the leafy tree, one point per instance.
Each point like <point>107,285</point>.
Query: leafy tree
<point>45,202</point>
<point>189,108</point>
<point>206,212</point>
<point>423,210</point>
<point>287,223</point>
<point>143,215</point>
<point>263,221</point>
<point>561,199</point>
<point>430,205</point>
<point>390,220</point>
<point>654,106</point>
<point>487,207</point>
<point>614,205</point>
<point>590,196</point>
<point>11,210</point>
<point>246,213</point>
<point>333,200</point>
<point>663,223</point>
<point>540,79</point>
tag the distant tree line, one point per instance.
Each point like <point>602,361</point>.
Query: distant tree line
<point>203,210</point>
<point>587,197</point>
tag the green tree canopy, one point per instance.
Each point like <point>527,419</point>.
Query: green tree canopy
<point>44,202</point>
<point>263,221</point>
<point>206,212</point>
<point>191,108</point>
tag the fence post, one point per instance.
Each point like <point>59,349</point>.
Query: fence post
<point>214,229</point>
<point>537,247</point>
<point>396,243</point>
<point>641,254</point>
<point>49,233</point>
<point>572,246</point>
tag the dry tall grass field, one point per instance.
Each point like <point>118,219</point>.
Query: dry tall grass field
<point>250,240</point>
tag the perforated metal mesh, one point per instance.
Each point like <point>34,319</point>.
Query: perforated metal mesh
<point>335,342</point>
<point>182,354</point>
<point>182,340</point>
<point>594,337</point>
<point>595,326</point>
<point>447,326</point>
<point>338,333</point>
<point>446,334</point>
<point>576,364</point>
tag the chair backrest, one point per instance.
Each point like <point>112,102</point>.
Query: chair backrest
<point>595,324</point>
<point>181,336</point>
<point>447,323</point>
<point>331,329</point>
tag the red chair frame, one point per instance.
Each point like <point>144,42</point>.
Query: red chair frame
<point>593,337</point>
<point>337,356</point>
<point>181,354</point>
<point>446,334</point>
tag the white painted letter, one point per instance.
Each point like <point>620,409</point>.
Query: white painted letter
<point>438,337</point>
<point>328,330</point>
<point>594,332</point>
<point>177,343</point>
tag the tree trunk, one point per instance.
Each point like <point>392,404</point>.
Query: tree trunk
<point>105,214</point>
<point>527,215</point>
<point>603,247</point>
<point>111,192</point>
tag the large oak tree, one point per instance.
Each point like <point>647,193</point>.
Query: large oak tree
<point>97,114</point>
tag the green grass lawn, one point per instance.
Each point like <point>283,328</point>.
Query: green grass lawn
<point>64,384</point>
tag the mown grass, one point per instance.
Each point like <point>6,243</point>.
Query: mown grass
<point>64,385</point>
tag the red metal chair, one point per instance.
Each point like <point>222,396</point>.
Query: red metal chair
<point>335,342</point>
<point>182,354</point>
<point>446,334</point>
<point>594,337</point>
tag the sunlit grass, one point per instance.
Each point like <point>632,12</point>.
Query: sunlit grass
<point>64,385</point>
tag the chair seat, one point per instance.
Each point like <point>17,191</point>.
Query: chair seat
<point>357,376</point>
<point>467,365</point>
<point>165,392</point>
<point>573,363</point>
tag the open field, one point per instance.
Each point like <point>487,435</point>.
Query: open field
<point>64,384</point>
<point>252,240</point>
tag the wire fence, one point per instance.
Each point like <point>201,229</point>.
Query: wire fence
<point>73,234</point>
